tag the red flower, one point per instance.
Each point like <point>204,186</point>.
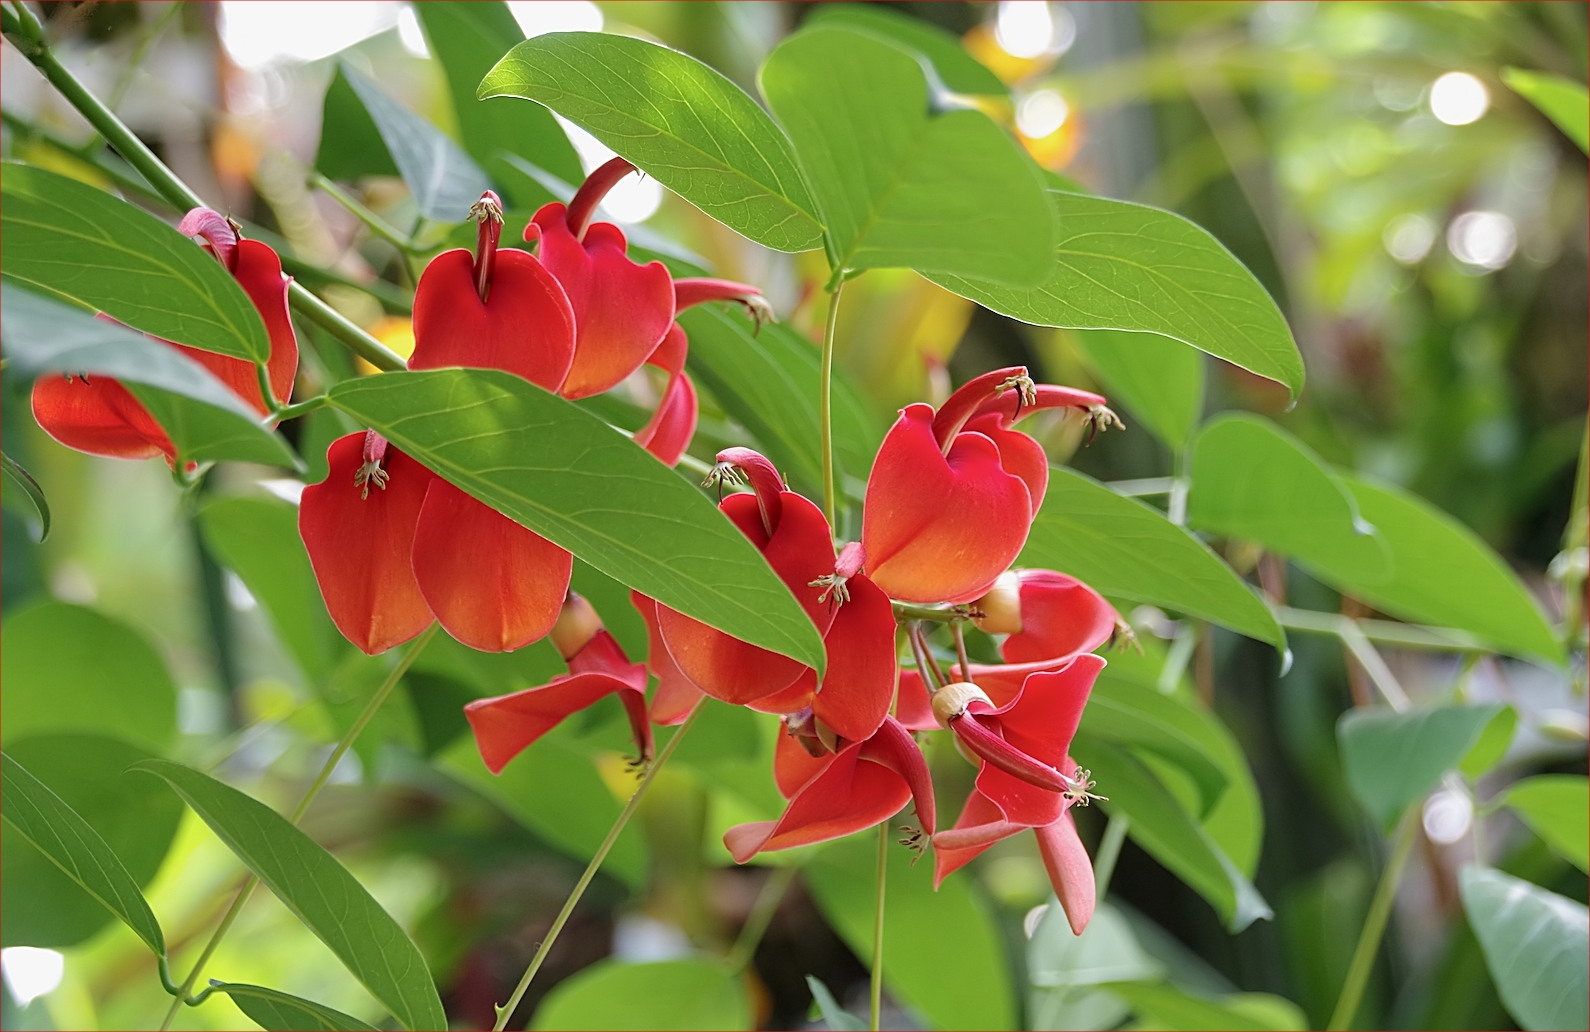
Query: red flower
<point>102,417</point>
<point>952,494</point>
<point>1047,616</point>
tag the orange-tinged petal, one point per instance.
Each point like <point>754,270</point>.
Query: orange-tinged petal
<point>849,795</point>
<point>667,434</point>
<point>1018,454</point>
<point>494,585</point>
<point>99,416</point>
<point>506,725</point>
<point>525,328</point>
<point>676,696</point>
<point>359,538</point>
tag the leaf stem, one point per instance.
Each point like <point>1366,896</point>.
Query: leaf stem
<point>1374,926</point>
<point>326,769</point>
<point>302,408</point>
<point>1386,632</point>
<point>877,927</point>
<point>336,324</point>
<point>505,1011</point>
<point>825,401</point>
<point>375,223</point>
<point>761,916</point>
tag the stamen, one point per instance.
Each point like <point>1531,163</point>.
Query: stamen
<point>488,212</point>
<point>1079,788</point>
<point>1027,391</point>
<point>1099,418</point>
<point>832,583</point>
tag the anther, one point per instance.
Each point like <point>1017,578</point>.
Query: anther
<point>1079,788</point>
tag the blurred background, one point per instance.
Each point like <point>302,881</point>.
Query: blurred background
<point>1422,227</point>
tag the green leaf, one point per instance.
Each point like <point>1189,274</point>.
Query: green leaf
<point>572,479</point>
<point>1128,550</point>
<point>677,120</point>
<point>1536,944</point>
<point>69,668</point>
<point>898,183</point>
<point>1168,832</point>
<point>281,1012</point>
<point>28,495</point>
<point>768,381</point>
<point>56,830</point>
<point>444,180</point>
<point>201,415</point>
<point>1563,101</point>
<point>1121,266</point>
<point>922,930</point>
<point>1392,759</point>
<point>1557,808</point>
<point>137,821</point>
<point>69,239</point>
<point>350,143</point>
<point>1066,969</point>
<point>468,38</point>
<point>1492,745</point>
<point>834,1016</point>
<point>318,890</point>
<point>669,994</point>
<point>1158,381</point>
<point>1253,481</point>
<point>1142,718</point>
<point>958,71</point>
<point>1443,574</point>
<point>1166,1006</point>
<point>257,539</point>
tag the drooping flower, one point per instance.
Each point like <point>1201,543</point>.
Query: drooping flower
<point>953,493</point>
<point>1047,615</point>
<point>506,725</point>
<point>99,416</point>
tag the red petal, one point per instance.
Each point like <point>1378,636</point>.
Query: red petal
<point>894,748</point>
<point>525,328</point>
<point>675,696</point>
<point>979,826</point>
<point>621,309</point>
<point>941,528</point>
<point>667,434</point>
<point>98,416</point>
<point>359,545</point>
<point>971,397</point>
<point>494,585</point>
<point>1060,617</point>
<point>859,683</point>
<point>506,725</point>
<point>793,766</point>
<point>1018,454</point>
<point>1040,723</point>
<point>259,273</point>
<point>913,708</point>
<point>1070,870</point>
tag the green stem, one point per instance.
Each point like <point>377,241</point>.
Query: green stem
<point>825,402</point>
<point>1374,926</point>
<point>302,408</point>
<point>1109,853</point>
<point>937,614</point>
<point>390,296</point>
<point>336,324</point>
<point>1386,632</point>
<point>326,769</point>
<point>877,927</point>
<point>375,223</point>
<point>761,916</point>
<point>506,1010</point>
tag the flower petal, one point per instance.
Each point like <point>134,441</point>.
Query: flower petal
<point>259,273</point>
<point>860,680</point>
<point>1060,617</point>
<point>676,696</point>
<point>98,416</point>
<point>1070,870</point>
<point>504,726</point>
<point>979,826</point>
<point>667,434</point>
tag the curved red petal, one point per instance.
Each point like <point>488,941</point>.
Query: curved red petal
<point>99,416</point>
<point>913,707</point>
<point>526,326</point>
<point>893,747</point>
<point>793,766</point>
<point>793,699</point>
<point>667,434</point>
<point>621,309</point>
<point>675,696</point>
<point>941,528</point>
<point>849,795</point>
<point>259,273</point>
<point>1061,617</point>
<point>860,680</point>
<point>359,543</point>
<point>1040,722</point>
<point>979,826</point>
<point>494,585</point>
<point>504,726</point>
<point>972,396</point>
<point>1018,454</point>
<point>1070,870</point>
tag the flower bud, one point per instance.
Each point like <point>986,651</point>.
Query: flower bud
<point>577,625</point>
<point>951,701</point>
<point>1001,607</point>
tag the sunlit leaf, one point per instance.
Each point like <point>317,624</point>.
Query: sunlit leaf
<point>66,238</point>
<point>1122,266</point>
<point>1563,101</point>
<point>280,1012</point>
<point>669,994</point>
<point>676,119</point>
<point>1127,550</point>
<point>1537,946</point>
<point>899,182</point>
<point>1557,808</point>
<point>572,479</point>
<point>959,71</point>
<point>1392,759</point>
<point>318,890</point>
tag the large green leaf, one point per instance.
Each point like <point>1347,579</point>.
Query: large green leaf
<point>1128,550</point>
<point>318,890</point>
<point>1066,969</point>
<point>958,70</point>
<point>444,180</point>
<point>1564,101</point>
<point>669,994</point>
<point>468,38</point>
<point>572,479</point>
<point>899,184</point>
<point>1392,759</point>
<point>1122,266</point>
<point>1537,946</point>
<point>677,120</point>
<point>281,1012</point>
<point>1557,808</point>
<point>257,538</point>
<point>67,238</point>
<point>1165,1006</point>
<point>921,930</point>
<point>69,668</point>
<point>1253,481</point>
<point>136,819</point>
<point>56,830</point>
<point>768,381</point>
<point>205,420</point>
<point>1170,834</point>
<point>1142,718</point>
<point>350,144</point>
<point>1443,574</point>
<point>1157,380</point>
